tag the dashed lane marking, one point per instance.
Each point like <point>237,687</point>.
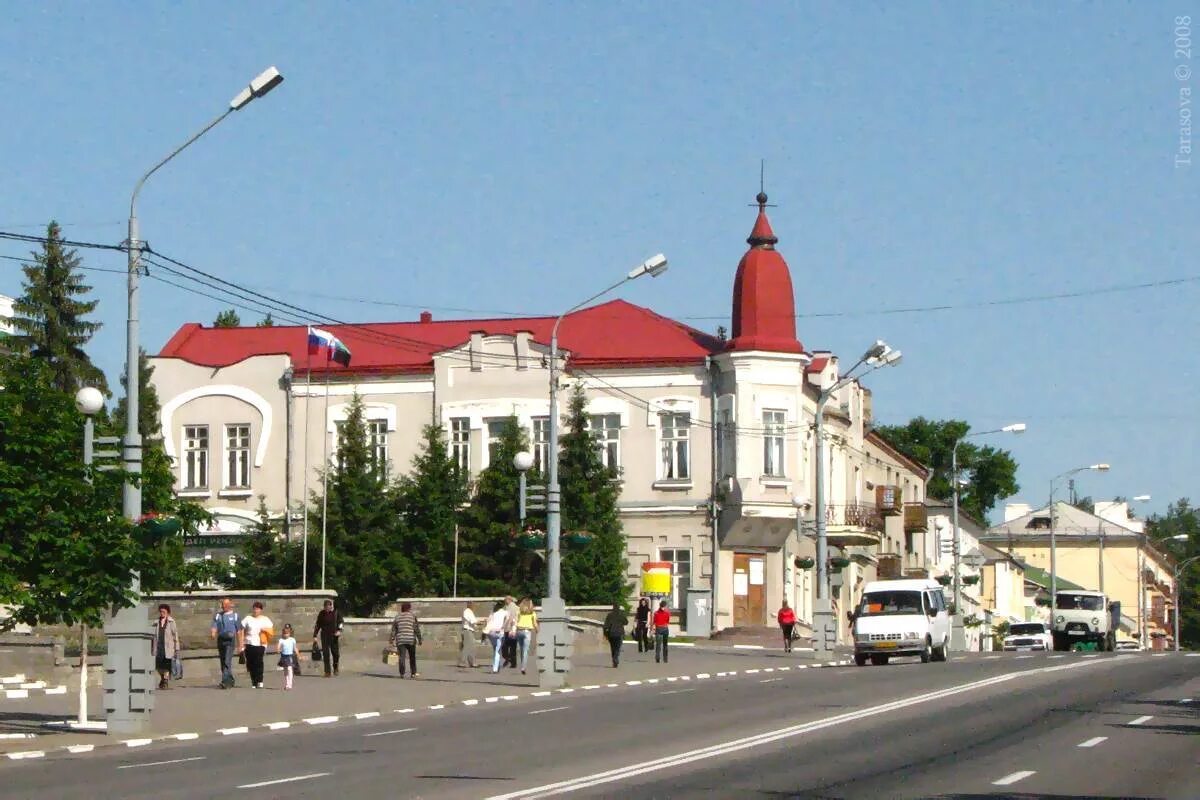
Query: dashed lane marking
<point>548,710</point>
<point>366,714</point>
<point>277,726</point>
<point>770,680</point>
<point>1093,741</point>
<point>284,780</point>
<point>321,720</point>
<point>388,733</point>
<point>1008,780</point>
<point>677,691</point>
<point>233,731</point>
<point>1141,720</point>
<point>162,763</point>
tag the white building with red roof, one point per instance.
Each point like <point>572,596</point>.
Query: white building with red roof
<point>713,439</point>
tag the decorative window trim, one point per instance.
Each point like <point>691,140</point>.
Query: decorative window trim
<point>167,415</point>
<point>371,412</point>
<point>229,493</point>
<point>671,405</point>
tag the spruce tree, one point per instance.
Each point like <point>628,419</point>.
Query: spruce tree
<point>227,319</point>
<point>264,561</point>
<point>429,500</point>
<point>265,322</point>
<point>491,561</point>
<point>365,562</point>
<point>593,573</point>
<point>49,319</point>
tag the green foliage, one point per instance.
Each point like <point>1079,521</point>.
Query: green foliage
<point>265,322</point>
<point>1182,519</point>
<point>265,561</point>
<point>490,560</point>
<point>429,502</point>
<point>364,557</point>
<point>593,573</point>
<point>49,317</point>
<point>992,472</point>
<point>65,558</point>
<point>227,319</point>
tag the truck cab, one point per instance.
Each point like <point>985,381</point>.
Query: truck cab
<point>1083,616</point>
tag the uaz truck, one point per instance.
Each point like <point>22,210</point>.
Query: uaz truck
<point>1082,616</point>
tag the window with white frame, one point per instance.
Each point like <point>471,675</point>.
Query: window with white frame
<point>460,442</point>
<point>774,423</point>
<point>195,458</point>
<point>675,429</point>
<point>237,456</point>
<point>681,572</point>
<point>495,432</point>
<point>377,443</point>
<point>540,436</point>
<point>606,430</point>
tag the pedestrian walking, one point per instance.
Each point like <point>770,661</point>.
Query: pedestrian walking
<point>496,624</point>
<point>289,657</point>
<point>641,630</point>
<point>327,633</point>
<point>165,644</point>
<point>662,631</point>
<point>406,635</point>
<point>467,634</point>
<point>257,630</point>
<point>527,625</point>
<point>614,631</point>
<point>510,632</point>
<point>787,624</point>
<point>227,632</point>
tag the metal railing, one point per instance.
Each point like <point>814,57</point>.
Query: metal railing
<point>854,515</point>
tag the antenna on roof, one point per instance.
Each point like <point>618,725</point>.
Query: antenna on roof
<point>761,199</point>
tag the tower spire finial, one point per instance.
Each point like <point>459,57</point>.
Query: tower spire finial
<point>762,180</point>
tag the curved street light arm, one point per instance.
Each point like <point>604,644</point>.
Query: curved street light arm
<point>175,152</point>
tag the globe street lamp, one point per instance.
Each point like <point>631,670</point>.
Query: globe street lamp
<point>1053,524</point>
<point>88,401</point>
<point>824,625</point>
<point>958,634</point>
<point>129,711</point>
<point>553,630</point>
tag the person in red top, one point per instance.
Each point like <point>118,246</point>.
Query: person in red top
<point>662,629</point>
<point>787,624</point>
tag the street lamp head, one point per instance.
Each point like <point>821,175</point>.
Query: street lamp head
<point>1016,427</point>
<point>892,358</point>
<point>89,401</point>
<point>1099,467</point>
<point>523,461</point>
<point>1142,498</point>
<point>876,351</point>
<point>653,266</point>
<point>800,501</point>
<point>266,80</point>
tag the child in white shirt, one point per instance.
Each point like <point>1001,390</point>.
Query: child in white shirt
<point>287,656</point>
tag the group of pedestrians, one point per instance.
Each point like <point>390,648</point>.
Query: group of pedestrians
<point>616,620</point>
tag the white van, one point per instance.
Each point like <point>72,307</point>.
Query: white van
<point>901,618</point>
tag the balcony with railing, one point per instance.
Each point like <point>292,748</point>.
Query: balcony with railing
<point>853,525</point>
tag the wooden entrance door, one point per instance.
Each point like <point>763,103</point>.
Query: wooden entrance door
<point>749,589</point>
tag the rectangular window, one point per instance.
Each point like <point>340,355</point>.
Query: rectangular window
<point>681,573</point>
<point>377,443</point>
<point>495,431</point>
<point>195,457</point>
<point>460,442</point>
<point>773,426</point>
<point>237,456</point>
<point>675,428</point>
<point>606,430</point>
<point>541,443</point>
<point>725,443</point>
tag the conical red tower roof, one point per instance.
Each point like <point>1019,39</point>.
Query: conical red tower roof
<point>764,314</point>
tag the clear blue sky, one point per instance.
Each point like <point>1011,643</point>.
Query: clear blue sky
<point>510,157</point>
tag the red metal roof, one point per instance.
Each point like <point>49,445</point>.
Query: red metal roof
<point>612,334</point>
<point>764,313</point>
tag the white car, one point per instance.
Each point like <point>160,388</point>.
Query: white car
<point>1028,636</point>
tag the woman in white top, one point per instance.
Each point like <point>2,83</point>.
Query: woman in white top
<point>466,644</point>
<point>497,624</point>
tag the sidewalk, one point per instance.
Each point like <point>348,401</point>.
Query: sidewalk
<point>195,708</point>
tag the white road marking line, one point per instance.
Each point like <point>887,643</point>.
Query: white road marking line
<point>541,694</point>
<point>612,685</point>
<point>770,680</point>
<point>767,737</point>
<point>1093,742</point>
<point>672,680</point>
<point>768,669</point>
<point>404,711</point>
<point>388,733</point>
<point>1014,777</point>
<point>320,720</point>
<point>1186,700</point>
<point>748,647</point>
<point>438,707</point>
<point>57,690</point>
<point>548,710</point>
<point>633,683</point>
<point>1092,655</point>
<point>366,714</point>
<point>27,754</point>
<point>678,691</point>
<point>495,699</point>
<point>161,763</point>
<point>722,674</point>
<point>33,685</point>
<point>18,678</point>
<point>277,726</point>
<point>567,690</point>
<point>508,697</point>
<point>802,666</point>
<point>284,780</point>
<point>685,677</point>
<point>591,686</point>
<point>784,669</point>
<point>136,742</point>
<point>80,748</point>
<point>184,737</point>
<point>34,735</point>
<point>1192,655</point>
<point>752,671</point>
<point>1159,655</point>
<point>1059,656</point>
<point>233,731</point>
<point>1140,720</point>
<point>470,702</point>
<point>16,694</point>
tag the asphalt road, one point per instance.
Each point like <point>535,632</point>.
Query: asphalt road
<point>1007,726</point>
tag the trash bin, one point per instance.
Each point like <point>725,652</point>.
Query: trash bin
<point>699,612</point>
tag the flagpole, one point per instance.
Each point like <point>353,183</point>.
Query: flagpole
<point>325,475</point>
<point>304,482</point>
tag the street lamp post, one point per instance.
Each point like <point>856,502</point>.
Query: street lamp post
<point>824,625</point>
<point>554,638</point>
<point>129,684</point>
<point>958,633</point>
<point>88,400</point>
<point>800,503</point>
<point>1179,571</point>
<point>1054,524</point>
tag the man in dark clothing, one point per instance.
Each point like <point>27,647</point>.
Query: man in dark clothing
<point>614,631</point>
<point>329,628</point>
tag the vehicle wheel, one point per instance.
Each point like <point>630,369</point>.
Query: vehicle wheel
<point>927,652</point>
<point>1112,641</point>
<point>879,661</point>
<point>860,659</point>
<point>1059,644</point>
<point>943,652</point>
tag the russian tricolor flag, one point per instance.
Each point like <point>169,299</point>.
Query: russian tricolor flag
<point>335,350</point>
